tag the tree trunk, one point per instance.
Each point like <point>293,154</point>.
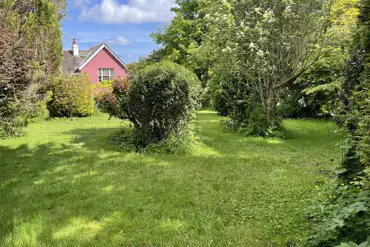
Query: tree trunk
<point>271,103</point>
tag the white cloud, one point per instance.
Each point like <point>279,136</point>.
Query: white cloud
<point>119,40</point>
<point>135,11</point>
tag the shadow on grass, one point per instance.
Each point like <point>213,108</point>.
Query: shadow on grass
<point>88,193</point>
<point>69,195</point>
<point>96,138</point>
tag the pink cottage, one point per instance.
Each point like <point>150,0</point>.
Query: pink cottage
<point>99,62</point>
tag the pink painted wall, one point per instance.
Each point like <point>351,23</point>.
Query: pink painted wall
<point>104,60</point>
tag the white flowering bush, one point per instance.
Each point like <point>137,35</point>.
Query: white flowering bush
<point>266,45</point>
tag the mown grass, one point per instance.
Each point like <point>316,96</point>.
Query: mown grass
<point>64,185</point>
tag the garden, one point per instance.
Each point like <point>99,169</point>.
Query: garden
<point>248,126</point>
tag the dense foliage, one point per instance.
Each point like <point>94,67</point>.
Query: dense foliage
<point>39,21</point>
<point>314,92</point>
<point>266,46</point>
<point>221,102</point>
<point>16,94</point>
<point>31,51</point>
<point>114,100</point>
<point>102,87</point>
<point>72,96</point>
<point>318,87</point>
<point>160,101</point>
<point>232,40</point>
<point>263,45</point>
<point>349,219</point>
<point>295,103</point>
<point>182,38</point>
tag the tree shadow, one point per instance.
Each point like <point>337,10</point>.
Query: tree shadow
<point>75,195</point>
<point>96,138</point>
<point>88,192</point>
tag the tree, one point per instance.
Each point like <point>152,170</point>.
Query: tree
<point>323,81</point>
<point>183,36</point>
<point>36,33</point>
<point>15,82</point>
<point>39,22</point>
<point>268,44</point>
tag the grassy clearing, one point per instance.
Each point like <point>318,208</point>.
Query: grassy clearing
<point>63,185</point>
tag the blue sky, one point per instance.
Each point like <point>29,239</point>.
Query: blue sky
<point>125,25</point>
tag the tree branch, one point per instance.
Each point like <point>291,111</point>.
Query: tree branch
<point>293,78</point>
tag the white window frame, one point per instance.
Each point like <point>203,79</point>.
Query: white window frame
<point>105,76</point>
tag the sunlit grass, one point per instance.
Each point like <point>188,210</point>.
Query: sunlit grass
<point>64,185</point>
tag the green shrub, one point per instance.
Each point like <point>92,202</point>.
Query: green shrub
<point>72,96</point>
<point>40,111</point>
<point>225,94</point>
<point>174,144</point>
<point>248,117</point>
<point>161,102</point>
<point>102,87</point>
<point>314,92</point>
<point>296,104</point>
<point>112,102</point>
<point>345,218</point>
<point>352,244</point>
<point>232,97</point>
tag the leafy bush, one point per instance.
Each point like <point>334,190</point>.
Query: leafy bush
<point>111,102</point>
<point>346,218</point>
<point>205,98</point>
<point>72,96</point>
<point>161,102</point>
<point>296,104</point>
<point>352,244</point>
<point>248,117</point>
<point>102,87</point>
<point>316,89</point>
<point>17,88</point>
<point>226,94</point>
<point>313,94</point>
<point>40,107</point>
<point>173,144</point>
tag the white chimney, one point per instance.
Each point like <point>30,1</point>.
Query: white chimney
<point>75,49</point>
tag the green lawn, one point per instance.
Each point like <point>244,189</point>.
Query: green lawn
<point>64,185</point>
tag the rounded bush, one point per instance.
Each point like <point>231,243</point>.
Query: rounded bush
<point>161,101</point>
<point>72,96</point>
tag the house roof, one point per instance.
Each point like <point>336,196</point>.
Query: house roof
<point>70,62</point>
<point>73,64</point>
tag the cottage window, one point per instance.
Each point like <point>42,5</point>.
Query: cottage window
<point>106,74</point>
